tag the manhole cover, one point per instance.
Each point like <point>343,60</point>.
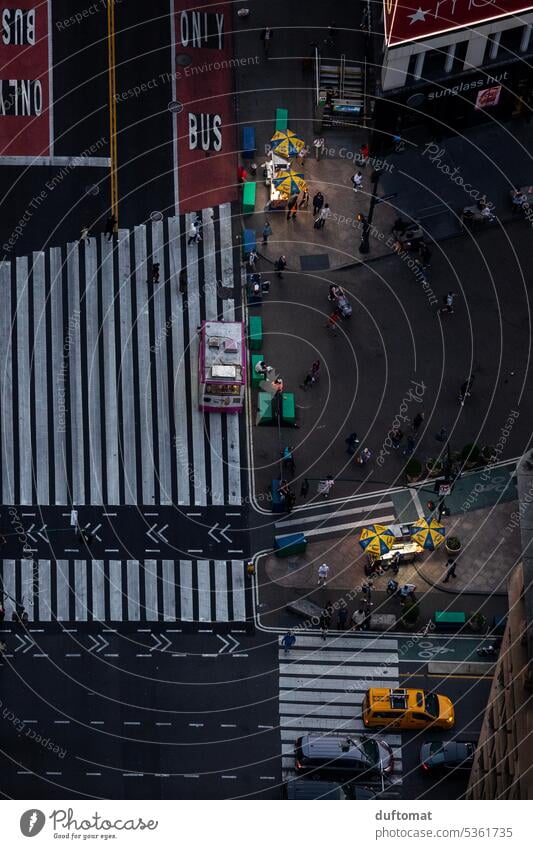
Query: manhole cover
<point>175,106</point>
<point>92,190</point>
<point>156,216</point>
<point>183,59</point>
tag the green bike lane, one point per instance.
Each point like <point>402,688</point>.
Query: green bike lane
<point>447,647</point>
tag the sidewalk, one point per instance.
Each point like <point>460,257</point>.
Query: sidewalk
<point>281,82</point>
<point>490,549</point>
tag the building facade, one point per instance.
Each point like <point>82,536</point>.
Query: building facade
<point>451,64</point>
<point>503,765</point>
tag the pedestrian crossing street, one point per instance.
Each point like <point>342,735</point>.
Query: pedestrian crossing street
<point>129,591</point>
<point>323,517</point>
<point>99,369</point>
<point>322,684</point>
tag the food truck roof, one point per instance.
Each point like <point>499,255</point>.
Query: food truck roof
<point>223,350</point>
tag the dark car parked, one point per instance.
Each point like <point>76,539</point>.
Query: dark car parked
<point>439,755</point>
<point>330,757</point>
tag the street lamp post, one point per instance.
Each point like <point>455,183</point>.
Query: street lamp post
<point>364,247</point>
<point>366,221</point>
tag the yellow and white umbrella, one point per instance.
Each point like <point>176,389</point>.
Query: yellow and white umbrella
<point>289,183</point>
<point>376,539</point>
<point>428,533</point>
<point>286,143</point>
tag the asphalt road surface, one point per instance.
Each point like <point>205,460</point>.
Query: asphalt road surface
<point>469,695</point>
<point>139,713</point>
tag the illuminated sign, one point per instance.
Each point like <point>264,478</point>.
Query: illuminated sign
<point>26,76</point>
<point>408,20</point>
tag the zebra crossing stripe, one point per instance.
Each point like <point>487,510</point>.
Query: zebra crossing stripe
<point>126,370</point>
<point>40,370</point>
<point>313,701</point>
<point>105,394</point>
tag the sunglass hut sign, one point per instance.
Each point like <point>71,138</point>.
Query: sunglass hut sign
<point>200,31</point>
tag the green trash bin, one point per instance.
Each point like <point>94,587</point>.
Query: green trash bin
<point>248,198</point>
<point>288,408</point>
<point>264,404</point>
<point>282,119</point>
<point>255,332</point>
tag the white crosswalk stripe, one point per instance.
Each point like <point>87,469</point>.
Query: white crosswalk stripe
<point>114,590</point>
<point>322,518</point>
<point>131,591</point>
<point>98,378</point>
<point>322,685</point>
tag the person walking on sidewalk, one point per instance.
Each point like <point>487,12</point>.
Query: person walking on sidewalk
<point>267,231</point>
<point>292,207</point>
<point>304,203</point>
<point>312,376</point>
<point>417,421</point>
<point>155,272</point>
<point>396,437</point>
<point>323,572</point>
<point>450,572</point>
<point>323,216</point>
<point>288,641</point>
<point>324,623</point>
<point>466,390</point>
<point>327,486</point>
<point>318,203</point>
<point>280,265</point>
<point>358,619</point>
<point>448,303</point>
<point>266,37</point>
<point>410,447</point>
<point>332,323</point>
<point>193,234</point>
<point>357,181</point>
<point>110,227</point>
<point>342,618</point>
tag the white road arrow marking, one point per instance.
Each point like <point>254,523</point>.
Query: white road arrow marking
<point>156,535</point>
<point>159,643</point>
<point>236,643</point>
<point>26,643</point>
<point>226,644</point>
<point>222,532</point>
<point>29,532</point>
<point>93,531</point>
<point>96,642</point>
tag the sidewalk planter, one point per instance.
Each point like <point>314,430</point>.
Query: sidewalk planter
<point>453,546</point>
<point>434,467</point>
<point>470,455</point>
<point>413,470</point>
<point>411,614</point>
<point>487,453</point>
<point>477,622</point>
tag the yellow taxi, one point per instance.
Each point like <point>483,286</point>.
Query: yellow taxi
<point>411,708</point>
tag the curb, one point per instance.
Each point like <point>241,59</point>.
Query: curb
<point>438,586</point>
